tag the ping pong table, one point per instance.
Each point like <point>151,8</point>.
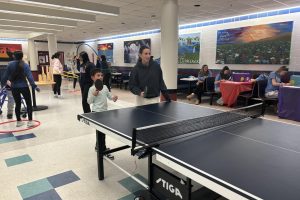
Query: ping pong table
<point>254,159</point>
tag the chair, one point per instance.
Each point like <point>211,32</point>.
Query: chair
<point>209,86</point>
<point>262,84</point>
<point>250,94</point>
<point>124,81</point>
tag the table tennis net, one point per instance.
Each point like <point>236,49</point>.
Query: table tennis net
<point>153,135</point>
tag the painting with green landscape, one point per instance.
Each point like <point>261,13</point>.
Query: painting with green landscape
<point>189,48</point>
<point>260,44</point>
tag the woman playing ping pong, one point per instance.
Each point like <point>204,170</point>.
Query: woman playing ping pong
<point>146,79</point>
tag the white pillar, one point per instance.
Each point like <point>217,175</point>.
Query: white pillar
<point>32,54</point>
<point>169,42</point>
<point>52,44</point>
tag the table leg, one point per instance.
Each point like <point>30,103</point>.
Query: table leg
<point>190,87</point>
<point>34,106</point>
<point>100,153</point>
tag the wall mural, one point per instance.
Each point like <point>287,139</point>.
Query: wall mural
<point>6,51</point>
<point>131,49</point>
<point>262,44</point>
<point>107,50</point>
<point>189,48</point>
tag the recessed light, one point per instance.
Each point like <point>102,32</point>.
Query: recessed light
<point>123,23</point>
<point>197,5</point>
<point>100,28</point>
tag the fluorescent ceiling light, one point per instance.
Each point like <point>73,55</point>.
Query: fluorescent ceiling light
<point>30,25</point>
<point>45,12</point>
<point>25,29</point>
<point>1,25</point>
<point>82,6</point>
<point>37,20</point>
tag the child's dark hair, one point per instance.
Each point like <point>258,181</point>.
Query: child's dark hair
<point>95,71</point>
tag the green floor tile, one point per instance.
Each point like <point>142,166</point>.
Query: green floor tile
<point>8,139</point>
<point>34,188</point>
<point>131,185</point>
<point>128,197</point>
<point>17,160</point>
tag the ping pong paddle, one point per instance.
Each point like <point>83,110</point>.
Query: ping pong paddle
<point>99,84</point>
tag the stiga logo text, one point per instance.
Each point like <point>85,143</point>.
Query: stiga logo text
<point>169,187</point>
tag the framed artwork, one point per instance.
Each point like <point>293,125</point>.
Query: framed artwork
<point>261,44</point>
<point>43,57</point>
<point>107,50</point>
<point>6,51</point>
<point>189,48</point>
<point>131,49</point>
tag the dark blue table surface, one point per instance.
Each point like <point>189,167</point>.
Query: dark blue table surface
<point>259,156</point>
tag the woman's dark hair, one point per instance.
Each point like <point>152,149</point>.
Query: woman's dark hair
<point>283,68</point>
<point>56,55</point>
<point>225,76</point>
<point>141,51</point>
<point>103,57</point>
<point>143,48</point>
<point>84,56</point>
<point>19,72</point>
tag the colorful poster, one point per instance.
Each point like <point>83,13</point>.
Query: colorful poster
<point>6,51</point>
<point>189,48</point>
<point>131,49</point>
<point>262,44</point>
<point>107,50</point>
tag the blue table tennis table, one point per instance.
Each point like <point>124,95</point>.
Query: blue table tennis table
<point>254,159</point>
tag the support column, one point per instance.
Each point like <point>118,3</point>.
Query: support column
<point>169,44</point>
<point>32,54</point>
<point>52,44</point>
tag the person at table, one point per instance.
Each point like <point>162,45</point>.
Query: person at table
<point>85,80</point>
<point>275,81</point>
<point>16,76</point>
<point>98,100</point>
<point>57,72</point>
<point>75,69</point>
<point>106,71</point>
<point>202,75</point>
<point>224,75</point>
<point>146,79</point>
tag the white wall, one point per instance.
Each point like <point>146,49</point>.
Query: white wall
<point>208,43</point>
<point>68,49</point>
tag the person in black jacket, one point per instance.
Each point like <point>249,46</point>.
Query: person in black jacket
<point>105,69</point>
<point>85,79</point>
<point>146,79</point>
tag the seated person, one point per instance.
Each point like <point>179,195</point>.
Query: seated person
<point>274,82</point>
<point>224,75</point>
<point>202,75</point>
<point>259,77</point>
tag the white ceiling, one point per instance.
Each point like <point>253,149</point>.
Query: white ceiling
<point>141,15</point>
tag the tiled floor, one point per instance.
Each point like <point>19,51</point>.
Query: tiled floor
<point>57,159</point>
